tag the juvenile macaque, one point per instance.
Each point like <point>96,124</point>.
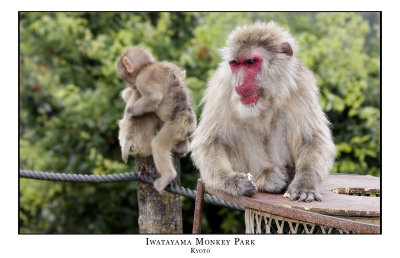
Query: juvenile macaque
<point>157,99</point>
<point>262,116</point>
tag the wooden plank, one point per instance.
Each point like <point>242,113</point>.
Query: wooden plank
<point>337,204</point>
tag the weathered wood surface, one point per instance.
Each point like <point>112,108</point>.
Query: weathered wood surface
<point>158,214</point>
<point>342,208</point>
<point>336,200</point>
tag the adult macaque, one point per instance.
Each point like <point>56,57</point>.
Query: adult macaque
<point>262,116</point>
<point>160,99</point>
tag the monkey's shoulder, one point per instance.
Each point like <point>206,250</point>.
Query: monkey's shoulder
<point>162,72</point>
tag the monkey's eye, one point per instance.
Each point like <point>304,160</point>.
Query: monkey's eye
<point>251,61</point>
<point>234,62</point>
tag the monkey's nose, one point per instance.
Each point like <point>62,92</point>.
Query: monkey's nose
<point>245,89</point>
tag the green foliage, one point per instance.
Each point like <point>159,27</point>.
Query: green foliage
<point>70,104</point>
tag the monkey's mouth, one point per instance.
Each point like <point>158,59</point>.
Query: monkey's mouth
<point>249,99</point>
<point>248,94</point>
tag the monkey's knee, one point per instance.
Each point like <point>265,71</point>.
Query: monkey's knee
<point>181,148</point>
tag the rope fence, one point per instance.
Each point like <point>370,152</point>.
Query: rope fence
<point>124,177</point>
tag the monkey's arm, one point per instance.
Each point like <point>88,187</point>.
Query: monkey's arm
<point>130,96</point>
<point>145,104</point>
<point>127,93</point>
<point>313,161</point>
<point>216,170</point>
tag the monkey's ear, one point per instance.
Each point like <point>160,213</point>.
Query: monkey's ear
<point>287,49</point>
<point>128,64</point>
<point>184,74</point>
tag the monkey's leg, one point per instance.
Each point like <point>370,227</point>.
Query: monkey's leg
<point>304,186</point>
<point>146,126</point>
<point>312,164</point>
<point>217,172</point>
<point>188,121</point>
<point>162,145</point>
<point>274,180</point>
<point>130,96</point>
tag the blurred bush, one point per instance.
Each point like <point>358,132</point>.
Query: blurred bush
<point>70,104</point>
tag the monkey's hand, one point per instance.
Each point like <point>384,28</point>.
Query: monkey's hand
<point>304,194</point>
<point>244,185</point>
<point>145,104</point>
<point>130,112</point>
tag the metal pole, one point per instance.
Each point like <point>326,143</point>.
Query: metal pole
<point>198,210</point>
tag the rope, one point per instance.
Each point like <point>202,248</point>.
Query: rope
<point>123,177</point>
<point>62,177</point>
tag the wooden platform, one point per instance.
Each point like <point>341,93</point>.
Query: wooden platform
<point>345,197</point>
<point>336,199</point>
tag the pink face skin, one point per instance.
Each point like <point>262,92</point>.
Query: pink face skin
<point>245,67</point>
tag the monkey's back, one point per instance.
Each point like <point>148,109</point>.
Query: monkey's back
<point>169,80</point>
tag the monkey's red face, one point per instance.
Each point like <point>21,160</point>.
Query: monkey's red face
<point>245,68</point>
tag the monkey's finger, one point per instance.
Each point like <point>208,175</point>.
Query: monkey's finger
<point>242,176</point>
<point>302,197</point>
<point>293,196</point>
<point>286,195</point>
<point>310,197</point>
<point>317,197</point>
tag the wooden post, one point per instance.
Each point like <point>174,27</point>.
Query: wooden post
<point>158,214</point>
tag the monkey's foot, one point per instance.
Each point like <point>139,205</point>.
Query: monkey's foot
<point>245,185</point>
<point>274,181</point>
<point>125,149</point>
<point>302,195</point>
<point>128,147</point>
<point>163,181</point>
